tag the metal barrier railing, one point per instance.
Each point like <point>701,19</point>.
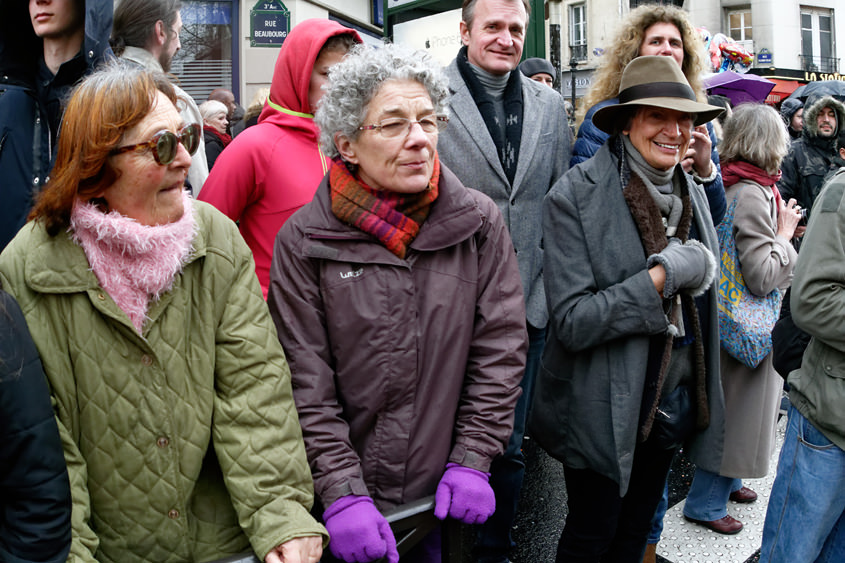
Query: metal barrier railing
<point>242,558</point>
<point>410,524</point>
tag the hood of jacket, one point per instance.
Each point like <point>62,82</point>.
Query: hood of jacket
<point>288,101</point>
<point>20,48</point>
<point>789,107</point>
<point>811,114</point>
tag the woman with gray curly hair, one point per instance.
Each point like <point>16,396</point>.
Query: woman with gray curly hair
<point>397,297</point>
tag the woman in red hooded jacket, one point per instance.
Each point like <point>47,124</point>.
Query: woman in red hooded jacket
<point>271,170</point>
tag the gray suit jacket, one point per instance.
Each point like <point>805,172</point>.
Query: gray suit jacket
<point>467,149</point>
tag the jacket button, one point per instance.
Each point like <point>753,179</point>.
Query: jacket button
<point>162,442</point>
<point>146,360</point>
<point>173,514</point>
<point>101,296</point>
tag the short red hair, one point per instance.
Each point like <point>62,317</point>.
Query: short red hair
<point>101,109</point>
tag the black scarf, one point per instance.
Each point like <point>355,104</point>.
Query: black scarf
<point>649,223</point>
<point>507,140</point>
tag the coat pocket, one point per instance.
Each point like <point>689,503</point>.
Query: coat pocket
<point>548,416</point>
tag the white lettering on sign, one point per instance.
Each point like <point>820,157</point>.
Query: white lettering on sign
<point>260,33</point>
<point>270,23</point>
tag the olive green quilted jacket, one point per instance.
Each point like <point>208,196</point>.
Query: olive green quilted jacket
<point>176,436</point>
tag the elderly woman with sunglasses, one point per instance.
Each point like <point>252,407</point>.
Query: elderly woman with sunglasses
<point>397,297</point>
<point>631,368</point>
<point>171,391</point>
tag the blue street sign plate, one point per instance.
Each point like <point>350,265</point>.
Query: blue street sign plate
<point>269,23</point>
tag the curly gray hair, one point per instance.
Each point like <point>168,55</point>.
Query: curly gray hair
<point>355,80</point>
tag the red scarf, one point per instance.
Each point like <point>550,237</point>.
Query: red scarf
<point>224,138</point>
<point>394,219</point>
<point>733,172</point>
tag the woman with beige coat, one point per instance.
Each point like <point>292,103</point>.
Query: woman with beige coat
<point>755,142</point>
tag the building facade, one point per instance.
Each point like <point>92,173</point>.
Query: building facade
<point>234,43</point>
<point>793,42</point>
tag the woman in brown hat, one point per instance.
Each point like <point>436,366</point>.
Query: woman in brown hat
<point>630,370</point>
<point>654,29</point>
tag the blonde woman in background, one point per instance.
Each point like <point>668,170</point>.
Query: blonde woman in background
<point>256,104</point>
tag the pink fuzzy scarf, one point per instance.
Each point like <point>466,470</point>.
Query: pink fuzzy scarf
<point>134,263</point>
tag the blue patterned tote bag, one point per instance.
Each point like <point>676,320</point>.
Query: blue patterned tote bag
<point>745,320</point>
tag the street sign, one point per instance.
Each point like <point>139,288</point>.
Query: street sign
<point>269,23</point>
<point>764,57</point>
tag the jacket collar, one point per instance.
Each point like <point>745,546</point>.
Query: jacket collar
<point>142,57</point>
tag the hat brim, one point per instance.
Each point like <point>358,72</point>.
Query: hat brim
<point>607,118</point>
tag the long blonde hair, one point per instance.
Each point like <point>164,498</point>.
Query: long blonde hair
<point>626,47</point>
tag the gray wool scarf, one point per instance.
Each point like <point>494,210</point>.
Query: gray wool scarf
<point>659,185</point>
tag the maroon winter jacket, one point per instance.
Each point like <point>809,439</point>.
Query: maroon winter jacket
<point>400,366</point>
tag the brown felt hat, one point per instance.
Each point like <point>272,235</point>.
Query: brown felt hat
<point>656,81</point>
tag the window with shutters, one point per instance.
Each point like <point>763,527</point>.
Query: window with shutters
<point>205,60</point>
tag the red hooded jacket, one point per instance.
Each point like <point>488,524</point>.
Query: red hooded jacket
<point>272,169</point>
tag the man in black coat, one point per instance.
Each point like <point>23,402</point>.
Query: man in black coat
<point>45,48</point>
<point>812,155</point>
<point>35,502</point>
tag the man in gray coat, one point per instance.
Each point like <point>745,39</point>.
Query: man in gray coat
<point>146,32</point>
<point>508,137</point>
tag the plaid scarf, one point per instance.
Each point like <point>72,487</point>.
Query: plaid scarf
<point>393,218</point>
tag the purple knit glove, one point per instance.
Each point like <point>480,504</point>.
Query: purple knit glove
<point>359,533</point>
<point>464,494</point>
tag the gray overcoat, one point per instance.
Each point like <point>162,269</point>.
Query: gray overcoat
<point>603,308</point>
<point>467,149</point>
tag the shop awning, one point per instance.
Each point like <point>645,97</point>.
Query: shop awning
<point>782,90</point>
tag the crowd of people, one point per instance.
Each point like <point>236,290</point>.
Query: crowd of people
<point>228,332</point>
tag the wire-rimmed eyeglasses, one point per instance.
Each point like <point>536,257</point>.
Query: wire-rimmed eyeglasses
<point>396,126</point>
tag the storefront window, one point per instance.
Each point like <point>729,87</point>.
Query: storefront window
<point>205,60</point>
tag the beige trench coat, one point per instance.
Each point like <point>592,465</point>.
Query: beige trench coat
<point>752,396</point>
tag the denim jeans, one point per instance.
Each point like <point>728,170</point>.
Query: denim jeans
<point>657,520</point>
<point>493,541</point>
<point>708,495</point>
<point>806,517</point>
<point>601,525</point>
